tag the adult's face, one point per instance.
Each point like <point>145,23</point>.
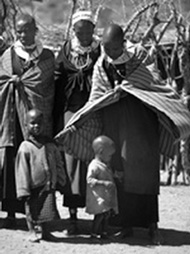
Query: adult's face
<point>113,41</point>
<point>26,32</point>
<point>84,32</point>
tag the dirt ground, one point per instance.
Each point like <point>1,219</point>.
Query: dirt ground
<point>174,227</point>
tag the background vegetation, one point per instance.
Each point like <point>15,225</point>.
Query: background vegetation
<point>53,15</point>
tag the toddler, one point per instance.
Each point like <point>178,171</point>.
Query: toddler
<point>101,197</point>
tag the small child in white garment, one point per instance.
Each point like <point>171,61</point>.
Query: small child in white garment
<point>101,196</point>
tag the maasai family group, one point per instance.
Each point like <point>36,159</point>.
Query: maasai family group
<point>90,123</point>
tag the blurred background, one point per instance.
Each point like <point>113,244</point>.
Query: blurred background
<point>53,16</point>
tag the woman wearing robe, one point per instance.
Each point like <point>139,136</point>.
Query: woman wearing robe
<point>26,81</point>
<point>73,74</point>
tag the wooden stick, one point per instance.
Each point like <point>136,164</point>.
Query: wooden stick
<point>137,14</point>
<point>74,2</point>
<point>135,28</point>
<point>155,22</point>
<point>164,28</point>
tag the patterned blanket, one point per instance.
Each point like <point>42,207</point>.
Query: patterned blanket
<point>34,89</point>
<point>174,118</point>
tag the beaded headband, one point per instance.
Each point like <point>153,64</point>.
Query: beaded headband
<point>82,15</point>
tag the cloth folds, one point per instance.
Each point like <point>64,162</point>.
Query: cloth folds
<point>85,125</point>
<point>34,89</point>
<point>38,166</point>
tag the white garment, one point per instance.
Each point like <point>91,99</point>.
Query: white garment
<point>78,52</point>
<point>100,198</point>
<point>78,49</point>
<point>21,51</point>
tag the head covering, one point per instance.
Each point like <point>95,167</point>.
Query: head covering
<point>82,15</point>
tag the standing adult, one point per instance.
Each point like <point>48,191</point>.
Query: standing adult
<point>142,115</point>
<point>26,81</point>
<point>73,74</point>
<point>134,128</point>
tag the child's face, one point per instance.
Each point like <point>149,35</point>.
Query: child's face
<point>84,31</point>
<point>107,153</point>
<point>35,124</point>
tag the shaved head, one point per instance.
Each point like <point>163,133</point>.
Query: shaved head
<point>26,19</point>
<point>113,41</point>
<point>102,142</point>
<point>34,113</point>
<point>113,32</point>
<point>104,148</point>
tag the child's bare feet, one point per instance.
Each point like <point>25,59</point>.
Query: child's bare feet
<point>33,237</point>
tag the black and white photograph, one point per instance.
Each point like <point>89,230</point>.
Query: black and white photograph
<point>94,126</point>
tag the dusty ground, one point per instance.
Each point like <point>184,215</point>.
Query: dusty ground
<point>174,227</point>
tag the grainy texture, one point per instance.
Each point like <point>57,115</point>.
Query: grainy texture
<point>174,226</point>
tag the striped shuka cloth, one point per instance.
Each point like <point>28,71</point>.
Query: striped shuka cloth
<point>143,83</point>
<point>35,89</point>
<point>42,206</point>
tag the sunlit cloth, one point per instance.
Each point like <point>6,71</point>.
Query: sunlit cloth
<point>21,52</point>
<point>35,89</point>
<point>38,166</point>
<point>173,116</point>
<point>99,198</point>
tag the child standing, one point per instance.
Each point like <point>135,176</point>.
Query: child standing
<point>39,172</point>
<point>101,197</point>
